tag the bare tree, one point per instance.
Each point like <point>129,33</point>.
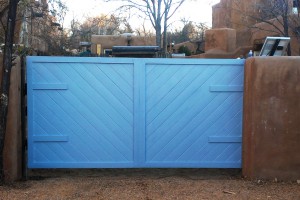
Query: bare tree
<point>191,31</point>
<point>74,34</point>
<point>143,31</point>
<point>41,24</point>
<point>9,13</point>
<point>170,9</point>
<point>157,11</point>
<point>3,15</point>
<point>53,15</point>
<point>277,14</point>
<point>103,25</point>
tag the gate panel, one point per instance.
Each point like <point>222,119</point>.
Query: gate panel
<point>95,112</point>
<point>193,115</point>
<point>80,114</point>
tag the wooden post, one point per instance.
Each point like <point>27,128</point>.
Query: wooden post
<point>7,65</point>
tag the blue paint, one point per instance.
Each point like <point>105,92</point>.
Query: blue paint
<point>226,88</point>
<point>52,138</point>
<point>52,86</point>
<point>129,113</point>
<point>225,139</point>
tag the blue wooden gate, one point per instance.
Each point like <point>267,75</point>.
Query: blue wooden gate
<point>127,113</point>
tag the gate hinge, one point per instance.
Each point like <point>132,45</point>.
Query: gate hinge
<point>24,89</point>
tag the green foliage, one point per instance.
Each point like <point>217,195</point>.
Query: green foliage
<point>184,49</point>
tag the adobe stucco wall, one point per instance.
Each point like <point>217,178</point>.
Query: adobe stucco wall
<point>13,140</point>
<point>223,39</point>
<point>271,124</point>
<point>231,14</point>
<point>221,43</point>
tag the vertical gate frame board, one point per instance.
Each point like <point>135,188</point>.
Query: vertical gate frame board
<point>139,112</point>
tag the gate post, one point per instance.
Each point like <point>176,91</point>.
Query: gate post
<point>12,153</point>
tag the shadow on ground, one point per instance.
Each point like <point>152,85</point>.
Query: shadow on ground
<point>197,174</point>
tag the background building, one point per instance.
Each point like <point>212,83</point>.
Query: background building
<point>238,26</point>
<point>102,44</point>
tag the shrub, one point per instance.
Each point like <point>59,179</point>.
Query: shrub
<point>184,49</point>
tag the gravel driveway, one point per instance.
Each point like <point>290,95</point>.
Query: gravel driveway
<point>146,184</point>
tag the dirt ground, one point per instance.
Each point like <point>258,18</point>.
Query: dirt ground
<point>146,184</point>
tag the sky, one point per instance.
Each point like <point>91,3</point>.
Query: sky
<point>197,11</point>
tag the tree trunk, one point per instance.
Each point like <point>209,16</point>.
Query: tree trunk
<point>286,33</point>
<point>158,24</point>
<point>165,33</point>
<point>7,65</point>
<point>285,18</point>
<point>158,35</point>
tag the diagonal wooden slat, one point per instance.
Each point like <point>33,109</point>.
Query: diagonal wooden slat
<point>77,117</point>
<point>162,150</point>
